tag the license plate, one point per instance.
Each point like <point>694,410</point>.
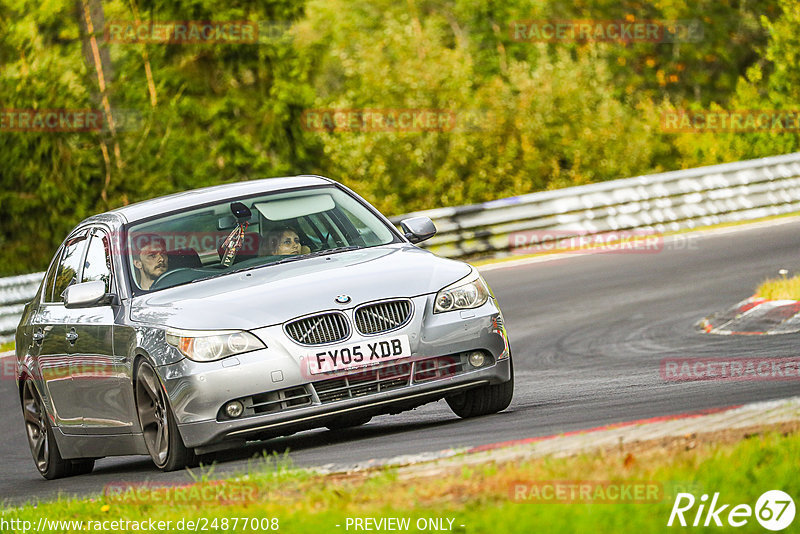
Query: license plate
<point>355,355</point>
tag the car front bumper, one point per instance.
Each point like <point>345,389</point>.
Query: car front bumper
<point>198,391</point>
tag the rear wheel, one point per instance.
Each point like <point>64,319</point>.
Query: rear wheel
<point>483,400</point>
<point>158,424</point>
<point>43,445</point>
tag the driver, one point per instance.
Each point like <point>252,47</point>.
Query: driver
<point>150,259</point>
<point>282,241</point>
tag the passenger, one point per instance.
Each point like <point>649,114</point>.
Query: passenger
<point>150,259</point>
<point>282,241</point>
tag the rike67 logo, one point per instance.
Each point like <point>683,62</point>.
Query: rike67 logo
<point>774,510</point>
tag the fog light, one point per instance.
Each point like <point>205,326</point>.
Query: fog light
<point>476,359</point>
<point>234,409</point>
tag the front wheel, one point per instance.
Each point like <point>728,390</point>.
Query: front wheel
<point>483,400</point>
<point>158,424</point>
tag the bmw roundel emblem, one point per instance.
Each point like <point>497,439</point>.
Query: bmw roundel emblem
<point>343,299</point>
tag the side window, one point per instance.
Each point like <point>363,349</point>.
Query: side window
<point>98,262</point>
<point>69,267</point>
<point>50,279</point>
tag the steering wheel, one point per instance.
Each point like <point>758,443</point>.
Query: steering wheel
<point>167,276</point>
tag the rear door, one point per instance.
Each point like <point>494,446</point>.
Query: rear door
<point>33,335</point>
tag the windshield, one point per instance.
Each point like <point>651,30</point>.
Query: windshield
<point>247,233</point>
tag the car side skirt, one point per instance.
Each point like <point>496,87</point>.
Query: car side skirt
<point>73,446</point>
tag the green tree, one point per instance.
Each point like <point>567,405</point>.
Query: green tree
<point>773,83</point>
<point>205,113</point>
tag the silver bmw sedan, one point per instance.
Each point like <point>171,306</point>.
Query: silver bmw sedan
<point>200,321</point>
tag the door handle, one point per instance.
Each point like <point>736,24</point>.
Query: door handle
<point>72,336</point>
<point>38,336</point>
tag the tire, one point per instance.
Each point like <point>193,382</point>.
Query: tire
<point>82,467</point>
<point>483,400</point>
<point>44,449</point>
<point>159,428</point>
<point>348,421</point>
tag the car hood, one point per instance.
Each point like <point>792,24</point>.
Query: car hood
<point>272,295</point>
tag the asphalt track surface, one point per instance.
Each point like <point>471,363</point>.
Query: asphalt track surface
<point>588,334</point>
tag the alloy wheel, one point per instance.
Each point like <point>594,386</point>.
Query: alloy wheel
<point>35,426</point>
<point>152,408</point>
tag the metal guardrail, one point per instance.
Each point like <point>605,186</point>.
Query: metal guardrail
<point>15,292</point>
<point>659,202</point>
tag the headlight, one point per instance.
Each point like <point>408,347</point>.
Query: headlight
<point>207,346</point>
<point>469,292</point>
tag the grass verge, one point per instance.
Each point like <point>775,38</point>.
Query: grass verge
<point>479,498</point>
<point>5,347</point>
<point>780,289</point>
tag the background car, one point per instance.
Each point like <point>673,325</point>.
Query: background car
<point>173,328</point>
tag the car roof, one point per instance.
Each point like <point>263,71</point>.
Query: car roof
<point>187,199</point>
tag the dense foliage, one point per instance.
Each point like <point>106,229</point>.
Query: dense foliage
<point>526,116</point>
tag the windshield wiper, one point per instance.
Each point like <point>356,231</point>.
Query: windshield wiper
<point>330,251</point>
<point>206,277</point>
<point>302,257</point>
<point>284,260</point>
<point>310,255</point>
<point>243,269</point>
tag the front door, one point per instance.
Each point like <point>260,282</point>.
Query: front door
<point>54,358</point>
<point>98,376</point>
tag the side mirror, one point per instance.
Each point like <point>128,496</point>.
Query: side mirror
<point>86,295</point>
<point>418,229</point>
